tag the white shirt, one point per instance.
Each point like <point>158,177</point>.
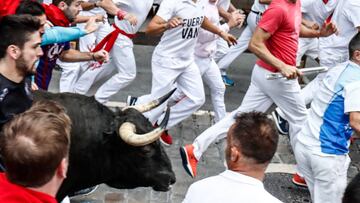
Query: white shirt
<point>316,10</point>
<point>258,7</point>
<point>139,9</point>
<point>229,187</point>
<point>180,42</point>
<point>347,18</point>
<point>327,129</point>
<point>206,43</point>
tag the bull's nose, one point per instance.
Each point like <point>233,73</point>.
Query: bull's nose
<point>172,179</point>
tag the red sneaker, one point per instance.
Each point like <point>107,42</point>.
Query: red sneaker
<point>166,138</point>
<point>298,180</point>
<point>188,159</point>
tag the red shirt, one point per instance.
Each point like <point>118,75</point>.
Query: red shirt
<point>282,20</point>
<point>8,7</point>
<point>12,193</point>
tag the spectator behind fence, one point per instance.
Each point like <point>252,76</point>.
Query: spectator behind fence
<point>35,148</point>
<point>251,144</point>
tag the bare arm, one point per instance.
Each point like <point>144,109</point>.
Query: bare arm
<point>258,47</point>
<point>73,55</point>
<point>157,25</point>
<point>265,1</point>
<point>86,6</point>
<point>355,121</point>
<point>327,29</point>
<point>224,14</point>
<point>207,25</point>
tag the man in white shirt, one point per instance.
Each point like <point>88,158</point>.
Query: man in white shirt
<point>323,143</point>
<point>225,55</point>
<point>251,144</point>
<point>122,57</point>
<point>173,59</point>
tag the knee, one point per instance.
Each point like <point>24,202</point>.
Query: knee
<point>200,100</point>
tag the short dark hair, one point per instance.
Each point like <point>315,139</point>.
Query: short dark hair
<point>56,2</point>
<point>34,143</point>
<point>30,7</point>
<point>255,135</point>
<point>16,30</point>
<point>352,191</point>
<point>354,44</point>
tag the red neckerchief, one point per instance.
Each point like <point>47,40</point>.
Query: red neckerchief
<point>55,15</point>
<point>325,1</point>
<point>109,41</point>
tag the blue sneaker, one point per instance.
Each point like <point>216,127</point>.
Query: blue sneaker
<point>131,101</point>
<point>281,124</point>
<point>227,81</point>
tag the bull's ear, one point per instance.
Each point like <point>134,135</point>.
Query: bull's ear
<point>111,130</point>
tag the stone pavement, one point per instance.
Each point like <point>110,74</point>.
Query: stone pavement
<point>212,162</point>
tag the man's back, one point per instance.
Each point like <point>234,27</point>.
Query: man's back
<point>327,129</point>
<point>229,187</point>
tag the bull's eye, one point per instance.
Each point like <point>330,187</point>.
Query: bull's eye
<point>148,150</point>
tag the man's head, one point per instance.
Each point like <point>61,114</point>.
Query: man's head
<point>354,49</point>
<point>20,42</point>
<point>71,8</point>
<point>35,145</point>
<point>251,141</point>
<point>35,9</point>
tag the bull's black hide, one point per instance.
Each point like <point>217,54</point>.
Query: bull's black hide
<point>99,155</point>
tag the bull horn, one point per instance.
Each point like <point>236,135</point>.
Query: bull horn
<point>127,132</point>
<point>142,108</point>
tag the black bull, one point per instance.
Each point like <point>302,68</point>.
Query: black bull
<point>99,155</point>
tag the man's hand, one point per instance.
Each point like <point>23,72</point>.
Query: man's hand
<point>230,39</point>
<point>99,18</point>
<point>238,17</point>
<point>290,72</point>
<point>91,25</point>
<point>101,56</point>
<point>174,22</point>
<point>131,18</point>
<point>328,29</point>
<point>34,86</point>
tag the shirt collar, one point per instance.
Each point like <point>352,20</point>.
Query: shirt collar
<point>235,176</point>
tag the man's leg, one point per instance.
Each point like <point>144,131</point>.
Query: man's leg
<point>212,78</point>
<point>163,79</point>
<point>124,61</point>
<point>330,177</point>
<point>190,83</point>
<point>254,100</point>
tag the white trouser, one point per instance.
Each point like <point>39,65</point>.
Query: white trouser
<point>325,175</point>
<point>188,80</point>
<point>211,75</point>
<point>122,60</point>
<point>308,47</point>
<point>72,71</point>
<point>225,56</point>
<point>262,93</point>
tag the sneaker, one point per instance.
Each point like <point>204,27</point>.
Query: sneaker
<point>298,180</point>
<point>188,159</point>
<point>166,138</point>
<point>86,191</point>
<point>131,101</point>
<point>227,81</point>
<point>281,124</point>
